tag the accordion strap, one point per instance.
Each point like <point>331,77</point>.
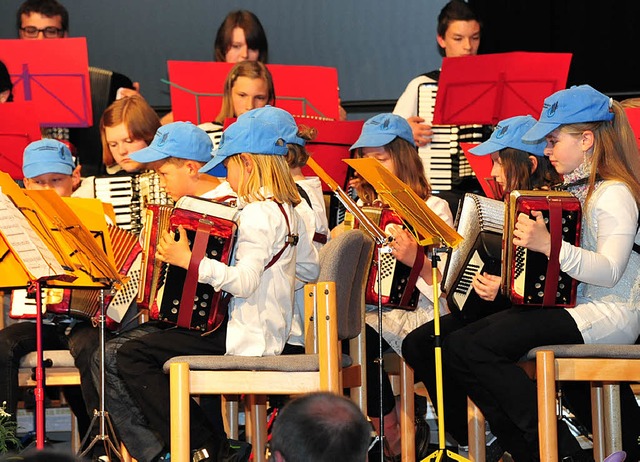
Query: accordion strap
<point>418,264</point>
<point>553,267</point>
<point>191,280</point>
<point>291,239</point>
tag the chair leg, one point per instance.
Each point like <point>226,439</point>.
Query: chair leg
<point>230,412</point>
<point>179,400</point>
<point>256,423</point>
<point>407,413</point>
<point>612,422</point>
<point>547,420</point>
<point>124,454</point>
<point>597,421</point>
<point>477,436</point>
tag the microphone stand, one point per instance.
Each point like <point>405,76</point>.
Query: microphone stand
<point>107,436</point>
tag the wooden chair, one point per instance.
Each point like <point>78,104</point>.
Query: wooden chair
<point>604,366</point>
<point>334,312</point>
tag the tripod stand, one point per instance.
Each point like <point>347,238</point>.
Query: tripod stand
<point>107,436</point>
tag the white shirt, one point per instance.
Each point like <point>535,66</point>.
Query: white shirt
<point>261,311</point>
<point>407,104</point>
<point>608,309</point>
<point>397,323</point>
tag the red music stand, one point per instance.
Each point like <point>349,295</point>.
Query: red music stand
<point>197,87</point>
<point>18,127</point>
<point>485,89</point>
<point>633,114</point>
<point>54,75</point>
<point>481,166</point>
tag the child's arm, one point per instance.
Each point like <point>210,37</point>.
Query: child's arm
<point>174,252</point>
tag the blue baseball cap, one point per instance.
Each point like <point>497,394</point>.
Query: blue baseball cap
<point>577,104</point>
<point>182,140</point>
<point>252,132</point>
<point>382,129</point>
<point>508,134</point>
<point>284,121</point>
<point>47,156</point>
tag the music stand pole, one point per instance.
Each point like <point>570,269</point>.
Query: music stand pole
<point>39,390</point>
<point>442,453</point>
<point>106,427</point>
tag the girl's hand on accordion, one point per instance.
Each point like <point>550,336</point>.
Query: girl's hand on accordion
<point>532,234</point>
<point>406,249</point>
<point>174,252</point>
<point>486,286</point>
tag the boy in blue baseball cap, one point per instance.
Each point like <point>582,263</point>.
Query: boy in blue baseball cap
<point>177,153</point>
<point>48,164</point>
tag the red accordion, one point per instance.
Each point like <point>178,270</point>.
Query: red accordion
<point>530,278</point>
<point>175,294</point>
<point>398,281</point>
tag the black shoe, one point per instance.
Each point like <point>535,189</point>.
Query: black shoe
<point>582,455</point>
<point>230,451</point>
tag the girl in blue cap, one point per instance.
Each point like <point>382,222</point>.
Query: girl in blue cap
<point>271,250</point>
<point>589,142</point>
<point>388,138</point>
<point>516,165</point>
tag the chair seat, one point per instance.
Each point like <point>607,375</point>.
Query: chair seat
<point>281,363</point>
<point>589,351</point>
<point>59,358</point>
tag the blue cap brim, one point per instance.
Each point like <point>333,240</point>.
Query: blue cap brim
<point>539,131</point>
<point>147,155</point>
<point>373,140</point>
<point>214,167</point>
<point>488,147</point>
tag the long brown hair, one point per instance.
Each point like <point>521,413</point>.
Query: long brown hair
<point>252,70</point>
<point>615,152</point>
<point>298,155</point>
<point>408,167</point>
<point>520,173</point>
<point>134,112</point>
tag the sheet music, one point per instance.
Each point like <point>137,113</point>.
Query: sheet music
<point>38,260</point>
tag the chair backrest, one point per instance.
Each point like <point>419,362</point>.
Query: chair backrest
<point>346,260</point>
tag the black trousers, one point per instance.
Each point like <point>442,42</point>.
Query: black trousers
<point>140,362</point>
<point>483,358</point>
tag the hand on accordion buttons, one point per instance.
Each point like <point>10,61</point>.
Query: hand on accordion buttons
<point>174,252</point>
<point>403,246</point>
<point>422,133</point>
<point>486,286</point>
<point>532,234</point>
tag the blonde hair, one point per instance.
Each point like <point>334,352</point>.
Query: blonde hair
<point>630,103</point>
<point>408,167</point>
<point>615,152</point>
<point>270,176</point>
<point>252,70</point>
<point>139,118</point>
<point>298,155</point>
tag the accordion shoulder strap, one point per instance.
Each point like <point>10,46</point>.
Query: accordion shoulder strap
<point>418,264</point>
<point>553,266</point>
<point>291,239</point>
<point>191,280</point>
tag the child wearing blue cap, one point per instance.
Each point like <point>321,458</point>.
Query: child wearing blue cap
<point>48,164</point>
<point>271,250</point>
<point>388,138</point>
<point>176,153</point>
<point>589,142</point>
<point>516,165</point>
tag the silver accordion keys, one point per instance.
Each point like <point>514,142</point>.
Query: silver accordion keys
<point>481,223</point>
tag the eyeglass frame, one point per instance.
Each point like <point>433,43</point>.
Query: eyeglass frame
<point>35,32</point>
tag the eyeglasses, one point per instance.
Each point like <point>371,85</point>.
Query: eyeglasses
<point>47,32</point>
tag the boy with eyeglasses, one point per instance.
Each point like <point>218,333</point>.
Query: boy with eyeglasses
<point>42,19</point>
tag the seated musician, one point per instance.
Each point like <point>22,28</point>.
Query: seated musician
<point>516,165</point>
<point>253,153</point>
<point>48,164</point>
<point>388,138</point>
<point>589,142</point>
<point>248,86</point>
<point>176,153</point>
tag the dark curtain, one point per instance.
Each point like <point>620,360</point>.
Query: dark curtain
<point>604,37</point>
